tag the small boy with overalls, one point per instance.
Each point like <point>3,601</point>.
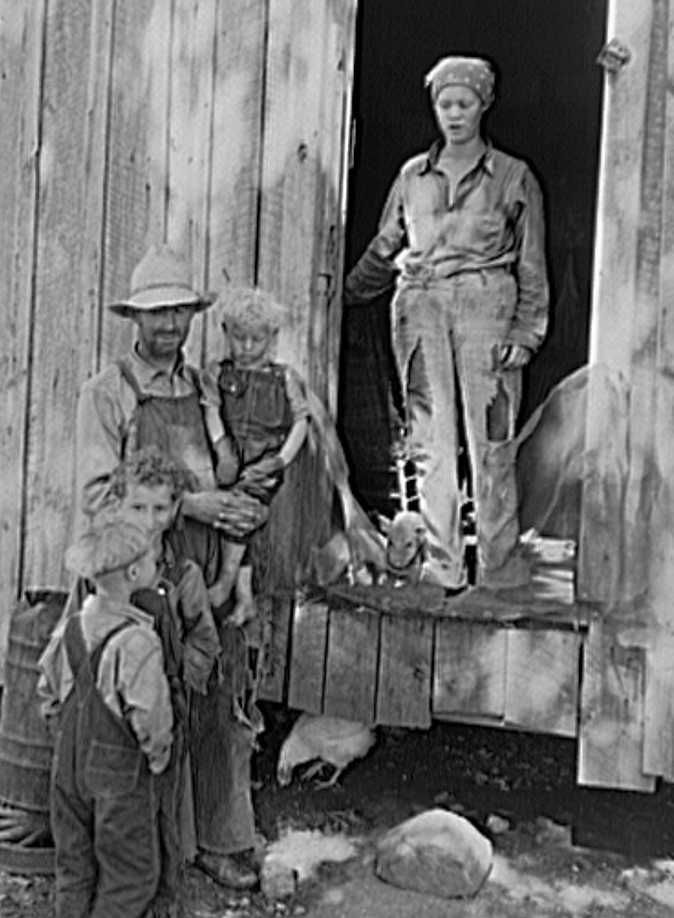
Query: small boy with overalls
<point>103,681</point>
<point>146,488</point>
<point>257,418</point>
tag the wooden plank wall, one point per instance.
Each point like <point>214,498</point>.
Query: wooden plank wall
<point>626,558</point>
<point>21,49</point>
<point>202,122</point>
<point>404,670</point>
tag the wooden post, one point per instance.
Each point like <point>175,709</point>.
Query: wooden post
<point>627,548</point>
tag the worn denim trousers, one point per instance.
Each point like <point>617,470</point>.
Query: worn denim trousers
<point>445,332</point>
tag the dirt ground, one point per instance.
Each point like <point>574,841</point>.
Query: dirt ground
<point>551,839</point>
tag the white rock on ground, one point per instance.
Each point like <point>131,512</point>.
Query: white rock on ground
<point>436,852</point>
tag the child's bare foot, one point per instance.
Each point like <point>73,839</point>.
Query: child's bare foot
<point>219,593</point>
<point>244,610</point>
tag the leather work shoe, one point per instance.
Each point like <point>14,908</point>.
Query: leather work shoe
<point>224,869</point>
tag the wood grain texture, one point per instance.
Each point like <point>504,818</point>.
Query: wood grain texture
<point>542,679</point>
<point>189,150</point>
<point>626,301</point>
<point>236,150</point>
<point>275,671</point>
<point>659,699</point>
<point>351,666</point>
<point>611,731</point>
<point>21,53</point>
<point>68,268</point>
<point>405,661</point>
<point>137,156</point>
<point>469,672</point>
<point>307,656</point>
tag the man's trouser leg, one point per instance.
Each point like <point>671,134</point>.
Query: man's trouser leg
<point>170,788</point>
<point>423,350</point>
<point>220,752</point>
<point>484,305</point>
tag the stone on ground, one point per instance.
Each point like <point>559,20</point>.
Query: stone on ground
<point>436,852</point>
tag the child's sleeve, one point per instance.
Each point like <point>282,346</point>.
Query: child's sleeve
<point>201,641</point>
<point>143,688</point>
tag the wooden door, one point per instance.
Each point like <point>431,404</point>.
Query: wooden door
<point>627,525</point>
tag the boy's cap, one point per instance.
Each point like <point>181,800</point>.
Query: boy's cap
<point>161,278</point>
<point>251,307</point>
<point>110,543</point>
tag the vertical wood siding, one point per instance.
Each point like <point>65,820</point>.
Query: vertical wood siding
<point>627,525</point>
<point>130,121</point>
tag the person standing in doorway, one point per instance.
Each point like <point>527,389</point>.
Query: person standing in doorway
<point>151,398</point>
<point>462,238</point>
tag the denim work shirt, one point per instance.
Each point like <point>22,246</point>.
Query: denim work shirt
<point>492,219</point>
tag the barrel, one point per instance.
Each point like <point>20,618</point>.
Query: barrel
<point>26,747</point>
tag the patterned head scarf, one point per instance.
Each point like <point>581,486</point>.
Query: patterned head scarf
<point>474,72</point>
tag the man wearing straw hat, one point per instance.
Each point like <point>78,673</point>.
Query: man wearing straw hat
<point>151,397</point>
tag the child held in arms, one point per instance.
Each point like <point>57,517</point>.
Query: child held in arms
<point>107,699</point>
<point>257,418</point>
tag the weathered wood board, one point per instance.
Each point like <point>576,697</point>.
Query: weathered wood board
<point>193,49</point>
<point>137,156</point>
<point>68,264</point>
<point>235,153</point>
<point>469,673</point>
<point>278,620</point>
<point>611,732</point>
<point>351,664</point>
<point>542,680</point>
<point>307,656</point>
<point>405,664</point>
<point>20,114</point>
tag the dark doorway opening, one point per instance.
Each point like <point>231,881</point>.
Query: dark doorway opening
<point>548,111</point>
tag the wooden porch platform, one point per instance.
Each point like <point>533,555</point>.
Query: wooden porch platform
<point>403,657</point>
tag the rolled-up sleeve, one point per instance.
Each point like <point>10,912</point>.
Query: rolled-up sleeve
<point>375,271</point>
<point>98,442</point>
<point>531,314</point>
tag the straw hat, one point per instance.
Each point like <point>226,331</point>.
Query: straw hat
<point>161,278</point>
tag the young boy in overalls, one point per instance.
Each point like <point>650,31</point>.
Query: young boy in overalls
<point>146,488</point>
<point>257,419</point>
<point>102,677</point>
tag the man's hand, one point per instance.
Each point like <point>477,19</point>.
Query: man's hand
<point>513,356</point>
<point>230,510</point>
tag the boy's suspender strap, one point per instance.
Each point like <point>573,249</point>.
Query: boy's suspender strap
<point>76,649</point>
